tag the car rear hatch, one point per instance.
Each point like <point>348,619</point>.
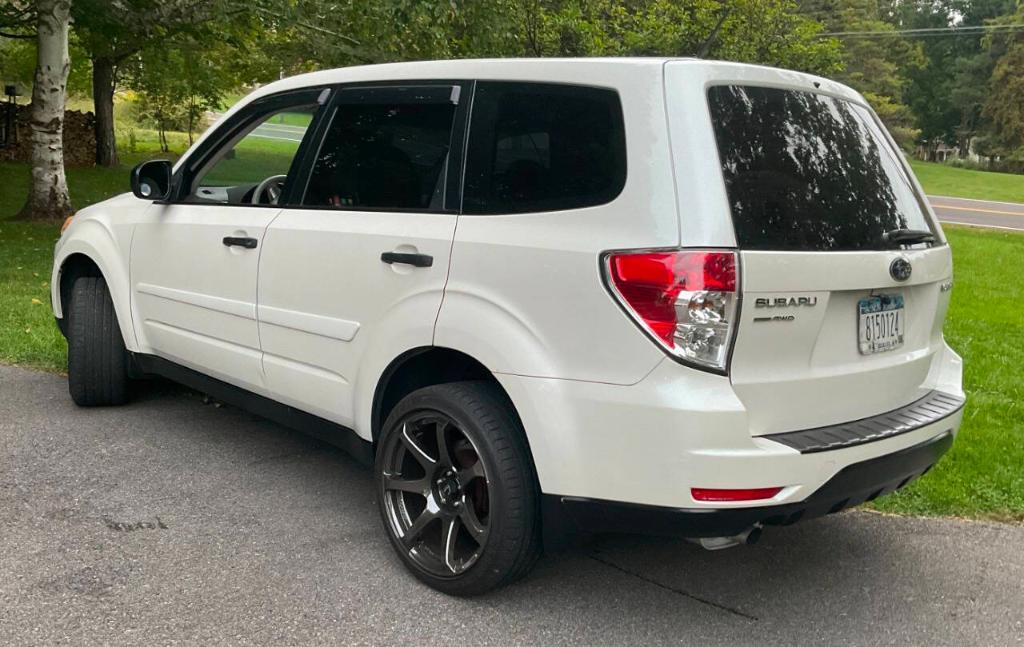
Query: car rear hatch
<point>843,295</point>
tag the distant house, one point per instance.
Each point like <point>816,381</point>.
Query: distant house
<point>945,153</point>
<point>941,153</point>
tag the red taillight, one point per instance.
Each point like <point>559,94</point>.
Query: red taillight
<point>685,298</point>
<point>749,494</point>
<point>648,284</point>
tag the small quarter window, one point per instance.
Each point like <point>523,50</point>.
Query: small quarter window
<point>543,147</point>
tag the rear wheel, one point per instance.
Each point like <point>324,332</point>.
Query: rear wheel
<point>456,488</point>
<point>97,358</point>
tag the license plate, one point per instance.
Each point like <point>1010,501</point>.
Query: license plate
<point>882,322</point>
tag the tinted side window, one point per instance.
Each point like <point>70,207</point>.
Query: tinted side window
<point>383,155</point>
<point>543,147</point>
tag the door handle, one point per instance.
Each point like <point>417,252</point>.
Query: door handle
<point>416,260</point>
<point>239,241</point>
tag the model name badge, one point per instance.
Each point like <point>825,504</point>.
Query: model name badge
<point>785,302</point>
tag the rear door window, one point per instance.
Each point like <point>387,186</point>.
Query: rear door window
<point>543,147</point>
<point>385,148</point>
<point>806,171</point>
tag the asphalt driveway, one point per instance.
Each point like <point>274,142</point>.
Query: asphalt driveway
<point>171,521</point>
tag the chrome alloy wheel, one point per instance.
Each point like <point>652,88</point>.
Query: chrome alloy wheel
<point>435,494</point>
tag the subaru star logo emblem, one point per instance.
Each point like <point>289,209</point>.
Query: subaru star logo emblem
<point>900,269</point>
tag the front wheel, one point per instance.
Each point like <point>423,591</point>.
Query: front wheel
<point>97,358</point>
<point>456,488</point>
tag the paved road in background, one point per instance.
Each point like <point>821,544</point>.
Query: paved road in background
<point>174,521</point>
<point>282,132</point>
<point>983,213</point>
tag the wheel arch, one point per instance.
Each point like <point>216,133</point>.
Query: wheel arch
<point>78,259</point>
<point>421,367</point>
<point>74,267</point>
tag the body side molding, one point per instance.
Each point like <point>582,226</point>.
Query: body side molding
<point>218,304</point>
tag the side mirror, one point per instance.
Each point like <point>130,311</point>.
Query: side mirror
<point>152,180</point>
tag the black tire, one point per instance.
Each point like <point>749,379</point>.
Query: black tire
<point>481,423</point>
<point>97,358</point>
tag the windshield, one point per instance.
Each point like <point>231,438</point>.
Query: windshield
<point>805,171</point>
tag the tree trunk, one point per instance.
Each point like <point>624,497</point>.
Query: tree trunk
<point>963,144</point>
<point>103,102</point>
<point>48,195</point>
<point>191,116</point>
<point>531,28</point>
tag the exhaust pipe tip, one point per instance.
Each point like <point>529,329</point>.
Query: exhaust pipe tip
<point>748,537</point>
<point>754,535</point>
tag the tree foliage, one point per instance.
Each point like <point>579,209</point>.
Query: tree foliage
<point>179,83</point>
<point>18,19</point>
<point>947,93</point>
<point>878,66</point>
<point>114,32</point>
<point>181,56</point>
<point>1005,103</point>
<point>769,32</point>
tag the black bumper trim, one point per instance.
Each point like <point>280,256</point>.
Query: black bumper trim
<point>851,486</point>
<point>932,408</point>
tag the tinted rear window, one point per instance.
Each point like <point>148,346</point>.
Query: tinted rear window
<point>542,147</point>
<point>805,171</point>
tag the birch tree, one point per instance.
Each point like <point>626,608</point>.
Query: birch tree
<point>48,194</point>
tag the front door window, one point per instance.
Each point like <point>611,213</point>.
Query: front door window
<point>253,167</point>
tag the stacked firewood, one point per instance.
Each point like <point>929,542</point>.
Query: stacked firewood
<point>79,137</point>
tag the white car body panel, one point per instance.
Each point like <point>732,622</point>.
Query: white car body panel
<point>312,318</point>
<point>103,233</point>
<point>330,309</point>
<point>812,363</point>
<point>521,295</point>
<point>650,442</point>
<point>194,298</point>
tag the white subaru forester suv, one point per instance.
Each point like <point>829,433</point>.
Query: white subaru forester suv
<point>542,296</point>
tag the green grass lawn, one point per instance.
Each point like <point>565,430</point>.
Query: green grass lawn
<point>291,119</point>
<point>983,476</point>
<point>86,185</point>
<point>28,335</point>
<point>254,159</point>
<point>941,179</point>
<point>90,184</point>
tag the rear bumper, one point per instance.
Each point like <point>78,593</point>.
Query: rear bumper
<point>853,485</point>
<point>652,442</point>
<point>933,408</point>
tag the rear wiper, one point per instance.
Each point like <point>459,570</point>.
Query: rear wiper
<point>908,236</point>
